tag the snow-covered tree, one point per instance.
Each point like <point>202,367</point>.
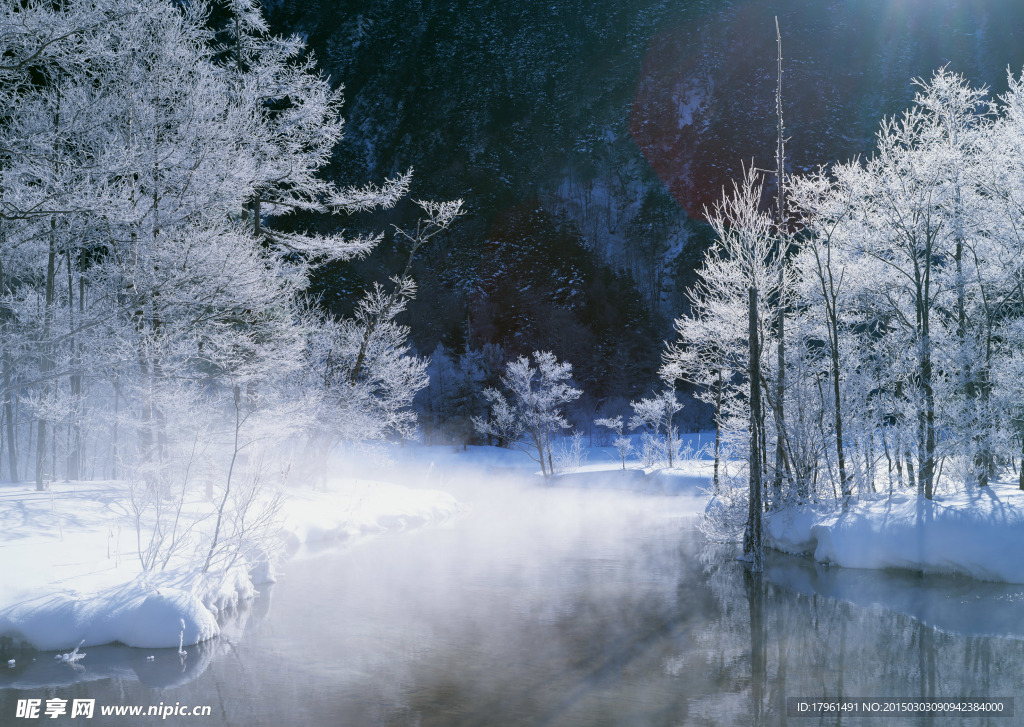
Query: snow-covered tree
<point>145,158</point>
<point>153,323</point>
<point>539,391</point>
<point>374,402</point>
<point>896,231</point>
<point>738,279</point>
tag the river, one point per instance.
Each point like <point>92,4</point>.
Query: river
<point>564,606</point>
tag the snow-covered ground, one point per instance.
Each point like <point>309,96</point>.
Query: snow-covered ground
<point>979,534</point>
<point>71,572</point>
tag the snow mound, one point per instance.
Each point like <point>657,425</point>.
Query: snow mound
<point>135,614</point>
<point>978,534</point>
<point>150,622</point>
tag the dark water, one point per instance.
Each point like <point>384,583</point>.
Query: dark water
<point>563,607</point>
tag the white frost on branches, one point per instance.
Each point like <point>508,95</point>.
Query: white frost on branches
<point>534,416</point>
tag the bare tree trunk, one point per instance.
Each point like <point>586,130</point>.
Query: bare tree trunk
<point>669,439</point>
<point>753,545</point>
<point>12,435</point>
<point>844,480</point>
<point>926,414</point>
<point>74,426</point>
<point>927,468</point>
<point>718,427</point>
<point>888,458</point>
<point>145,428</point>
<point>1020,479</point>
<point>985,462</point>
<point>547,445</point>
<point>8,364</point>
<point>115,451</point>
<point>780,225</point>
<point>46,358</point>
<point>28,448</point>
<point>911,479</point>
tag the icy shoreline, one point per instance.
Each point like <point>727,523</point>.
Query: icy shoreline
<point>977,534</point>
<point>71,573</point>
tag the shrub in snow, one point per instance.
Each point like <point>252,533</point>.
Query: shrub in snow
<point>622,443</point>
<point>570,454</point>
<point>655,416</point>
<point>502,422</point>
<point>534,416</point>
<point>725,515</point>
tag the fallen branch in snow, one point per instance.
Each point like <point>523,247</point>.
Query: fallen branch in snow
<point>72,657</point>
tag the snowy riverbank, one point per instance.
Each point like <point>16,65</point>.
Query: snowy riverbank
<point>71,572</point>
<point>978,534</point>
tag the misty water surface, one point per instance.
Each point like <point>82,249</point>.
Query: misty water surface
<point>544,606</point>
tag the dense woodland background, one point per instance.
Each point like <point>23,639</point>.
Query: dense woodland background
<point>587,138</point>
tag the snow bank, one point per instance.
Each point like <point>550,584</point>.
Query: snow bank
<point>978,534</point>
<point>71,572</point>
<point>135,614</point>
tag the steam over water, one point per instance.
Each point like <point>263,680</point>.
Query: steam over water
<point>551,606</point>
